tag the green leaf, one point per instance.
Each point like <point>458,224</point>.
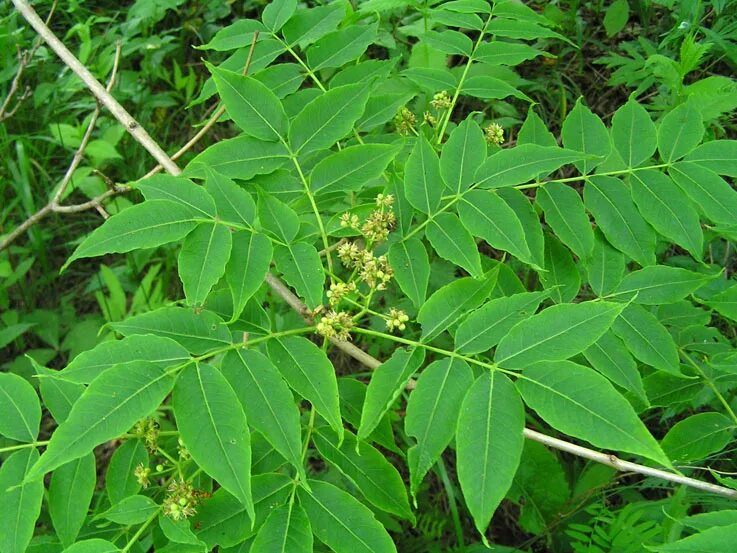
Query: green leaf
<point>307,26</point>
<point>585,132</point>
<point>267,401</point>
<point>432,412</point>
<point>718,156</point>
<point>387,382</point>
<point>668,210</point>
<point>139,347</point>
<point>242,157</point>
<point>327,118</point>
<point>556,333</point>
<point>431,79</point>
<point>256,110</point>
<point>70,494</point>
<point>560,276</point>
<point>341,522</point>
<point>368,470</point>
<point>351,168</point>
<point>180,190</point>
<point>278,218</point>
<point>235,35</point>
<point>340,47</point>
<point>610,357</point>
<point>565,214</point>
<point>282,79</point>
<point>659,284</point>
<point>202,260</point>
<point>720,539</point>
<point>423,183</point>
<point>679,132</point>
<point>483,328</point>
<point>380,108</point>
<point>309,372</point>
<point>540,488</point>
<point>120,482</point>
<point>522,164</point>
<point>698,436</point>
<point>213,426</point>
<point>711,194</point>
<point>20,407</point>
<point>286,530</point>
<point>488,444</point>
<point>277,13</point>
<point>491,88</point>
<point>411,267</point>
<point>605,267</point>
<point>616,16</point>
<point>20,501</point>
<point>352,398</point>
<point>448,304</point>
<point>233,203</point>
<point>580,402</point>
<point>530,220</point>
<point>617,217</point>
<point>725,302</point>
<point>449,42</point>
<point>11,332</point>
<point>489,217</point>
<point>505,53</point>
<point>133,509</point>
<point>633,133</point>
<point>94,545</point>
<point>146,225</point>
<point>462,154</point>
<point>110,406</point>
<point>247,267</point>
<point>647,339</point>
<point>519,28</point>
<point>301,267</point>
<point>179,531</point>
<point>450,239</point>
<point>198,332</point>
<point>58,394</point>
<point>534,131</point>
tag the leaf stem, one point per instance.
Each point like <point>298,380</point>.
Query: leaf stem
<point>710,383</point>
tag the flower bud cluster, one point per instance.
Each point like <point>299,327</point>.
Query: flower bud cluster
<point>339,290</point>
<point>181,500</point>
<point>374,271</point>
<point>148,431</point>
<point>441,100</point>
<point>335,325</point>
<point>405,121</point>
<point>397,319</point>
<point>494,134</point>
<point>142,475</point>
<point>378,224</point>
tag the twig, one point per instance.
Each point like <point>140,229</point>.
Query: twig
<point>24,58</point>
<point>210,122</point>
<point>53,205</point>
<point>102,95</point>
<point>285,293</point>
<point>604,458</point>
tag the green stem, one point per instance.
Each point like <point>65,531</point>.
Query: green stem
<point>462,80</point>
<point>316,212</point>
<point>22,446</point>
<point>452,503</point>
<point>140,531</point>
<point>710,383</point>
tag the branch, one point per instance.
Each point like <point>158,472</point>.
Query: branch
<point>53,205</point>
<point>102,95</point>
<point>24,58</point>
<point>285,293</point>
<point>604,458</point>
